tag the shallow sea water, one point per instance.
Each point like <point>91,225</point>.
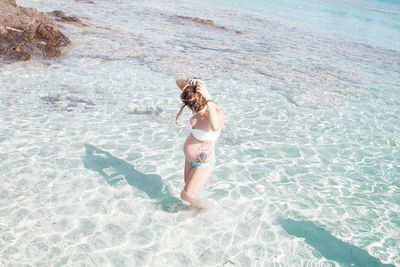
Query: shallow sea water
<point>308,163</point>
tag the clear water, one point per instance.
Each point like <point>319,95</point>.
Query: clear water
<point>308,162</point>
<point>370,21</point>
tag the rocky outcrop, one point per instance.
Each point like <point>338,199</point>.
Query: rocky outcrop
<point>26,33</point>
<point>85,1</point>
<point>207,22</point>
<point>60,16</point>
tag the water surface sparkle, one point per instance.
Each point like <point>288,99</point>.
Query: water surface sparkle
<point>311,138</point>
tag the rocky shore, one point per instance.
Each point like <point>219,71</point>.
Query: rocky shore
<point>27,33</point>
<point>207,22</point>
<point>61,17</point>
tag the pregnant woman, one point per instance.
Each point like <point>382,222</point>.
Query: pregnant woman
<point>204,128</point>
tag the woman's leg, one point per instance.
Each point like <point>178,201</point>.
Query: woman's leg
<point>197,178</point>
<point>188,169</point>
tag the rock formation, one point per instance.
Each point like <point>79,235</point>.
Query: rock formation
<point>60,16</point>
<point>26,33</point>
<point>207,22</point>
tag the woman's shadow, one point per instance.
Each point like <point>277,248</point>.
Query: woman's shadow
<point>114,170</point>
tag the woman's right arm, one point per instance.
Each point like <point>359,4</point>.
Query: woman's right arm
<point>182,82</point>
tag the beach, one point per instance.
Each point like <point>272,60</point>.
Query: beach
<point>308,162</point>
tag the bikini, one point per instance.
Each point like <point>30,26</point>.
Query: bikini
<point>202,136</point>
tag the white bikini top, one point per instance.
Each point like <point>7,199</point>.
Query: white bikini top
<point>200,134</point>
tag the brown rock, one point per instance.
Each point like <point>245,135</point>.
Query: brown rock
<point>207,22</point>
<point>12,2</point>
<point>26,33</point>
<point>60,16</point>
<point>3,30</point>
<point>85,1</point>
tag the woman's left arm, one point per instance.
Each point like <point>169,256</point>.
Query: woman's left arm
<point>216,116</point>
<point>216,113</point>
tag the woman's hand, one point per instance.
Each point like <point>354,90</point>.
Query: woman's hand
<point>201,88</point>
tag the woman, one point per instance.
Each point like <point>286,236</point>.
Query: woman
<point>204,128</point>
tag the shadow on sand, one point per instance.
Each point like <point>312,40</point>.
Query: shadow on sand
<point>99,160</point>
<point>329,246</point>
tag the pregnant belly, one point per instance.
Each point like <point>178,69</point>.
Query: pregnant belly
<point>198,151</point>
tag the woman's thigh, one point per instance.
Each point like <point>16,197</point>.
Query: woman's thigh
<point>197,178</point>
<point>188,169</point>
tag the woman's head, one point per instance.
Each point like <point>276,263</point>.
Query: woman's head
<point>191,98</point>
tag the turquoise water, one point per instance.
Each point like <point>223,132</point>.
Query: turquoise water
<point>308,162</point>
<point>370,22</point>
